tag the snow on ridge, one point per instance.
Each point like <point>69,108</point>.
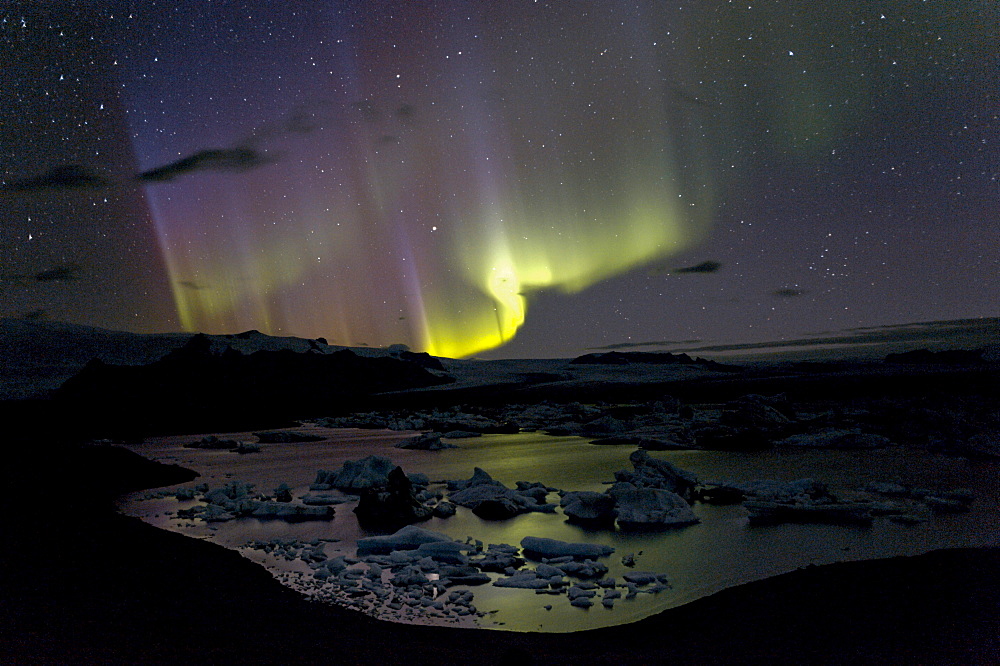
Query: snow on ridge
<point>38,356</point>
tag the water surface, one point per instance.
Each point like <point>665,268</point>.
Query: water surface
<point>720,552</point>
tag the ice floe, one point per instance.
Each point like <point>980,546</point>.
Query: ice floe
<point>355,475</point>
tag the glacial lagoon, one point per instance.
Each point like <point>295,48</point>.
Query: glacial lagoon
<point>721,551</point>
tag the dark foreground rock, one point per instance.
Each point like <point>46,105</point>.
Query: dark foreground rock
<point>392,505</point>
<point>590,509</point>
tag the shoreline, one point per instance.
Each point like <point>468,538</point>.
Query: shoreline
<point>130,592</point>
<point>80,583</point>
<point>698,560</point>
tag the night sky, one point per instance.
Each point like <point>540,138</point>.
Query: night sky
<point>501,179</point>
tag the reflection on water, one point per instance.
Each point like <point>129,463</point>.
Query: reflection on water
<point>719,552</point>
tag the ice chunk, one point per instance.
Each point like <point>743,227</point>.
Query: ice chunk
<point>528,580</point>
<point>355,475</point>
<point>538,547</point>
<point>407,538</point>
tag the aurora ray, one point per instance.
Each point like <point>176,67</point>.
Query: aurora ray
<point>437,173</point>
<point>441,180</point>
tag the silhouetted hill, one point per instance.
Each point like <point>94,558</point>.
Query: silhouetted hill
<point>192,386</point>
<point>945,357</point>
<point>653,358</point>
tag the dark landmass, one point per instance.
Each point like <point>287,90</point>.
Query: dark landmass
<point>422,359</point>
<point>195,388</point>
<point>653,358</point>
<point>946,357</point>
<point>92,586</point>
<point>80,583</point>
<point>808,382</point>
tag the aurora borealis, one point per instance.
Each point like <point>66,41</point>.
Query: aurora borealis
<point>429,183</point>
<point>440,174</point>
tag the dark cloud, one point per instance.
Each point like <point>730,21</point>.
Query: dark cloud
<point>372,113</point>
<point>69,177</point>
<point>682,95</point>
<point>40,314</point>
<point>703,267</point>
<point>192,286</point>
<point>63,273</point>
<point>367,110</point>
<point>788,293</point>
<point>216,159</point>
<point>634,345</point>
<point>77,177</point>
<point>303,119</point>
<point>245,156</point>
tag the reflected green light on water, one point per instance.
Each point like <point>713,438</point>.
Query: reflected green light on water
<point>719,552</point>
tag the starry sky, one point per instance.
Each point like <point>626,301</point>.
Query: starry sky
<point>515,179</point>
